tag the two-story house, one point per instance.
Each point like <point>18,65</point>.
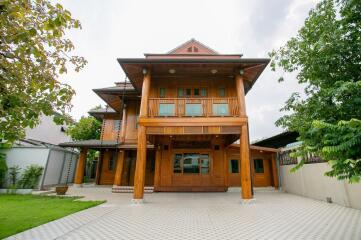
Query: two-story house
<point>173,125</point>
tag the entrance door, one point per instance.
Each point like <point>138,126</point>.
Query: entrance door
<point>108,164</point>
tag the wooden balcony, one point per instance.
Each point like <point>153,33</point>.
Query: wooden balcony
<point>193,107</point>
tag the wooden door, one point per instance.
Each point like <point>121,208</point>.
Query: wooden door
<point>107,172</point>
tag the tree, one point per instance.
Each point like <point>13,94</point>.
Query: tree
<point>326,55</point>
<point>87,128</point>
<point>33,53</point>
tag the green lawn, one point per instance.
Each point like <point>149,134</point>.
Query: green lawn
<point>21,212</point>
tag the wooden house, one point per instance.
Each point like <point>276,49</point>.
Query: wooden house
<point>173,124</point>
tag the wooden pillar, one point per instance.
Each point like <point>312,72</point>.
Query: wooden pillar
<point>80,167</point>
<point>119,169</point>
<point>240,95</point>
<point>246,181</point>
<point>99,166</point>
<point>139,177</point>
<point>274,171</point>
<point>245,164</point>
<point>124,125</point>
<point>158,157</point>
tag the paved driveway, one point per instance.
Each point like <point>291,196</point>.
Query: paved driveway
<point>203,216</point>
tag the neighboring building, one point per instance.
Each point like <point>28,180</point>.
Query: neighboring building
<point>47,131</point>
<point>309,180</point>
<point>173,126</point>
<point>40,147</point>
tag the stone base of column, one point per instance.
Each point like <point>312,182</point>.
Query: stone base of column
<point>248,201</point>
<point>137,201</point>
<point>78,185</point>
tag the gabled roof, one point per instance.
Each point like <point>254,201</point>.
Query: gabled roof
<point>193,45</point>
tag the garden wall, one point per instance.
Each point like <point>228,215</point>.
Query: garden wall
<point>309,181</point>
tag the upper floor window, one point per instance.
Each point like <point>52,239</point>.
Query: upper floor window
<point>204,92</point>
<point>180,92</point>
<point>116,125</point>
<point>222,92</point>
<point>162,92</point>
<point>188,92</point>
<point>196,92</point>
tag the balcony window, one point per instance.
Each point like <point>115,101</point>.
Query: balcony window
<point>193,109</point>
<point>180,92</point>
<point>166,109</point>
<point>196,92</point>
<point>162,92</point>
<point>222,92</point>
<point>188,92</point>
<point>204,92</point>
<point>220,109</point>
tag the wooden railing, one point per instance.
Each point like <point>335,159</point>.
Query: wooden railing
<point>193,107</point>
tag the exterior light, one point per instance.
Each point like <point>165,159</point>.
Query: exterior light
<point>171,71</point>
<point>144,71</point>
<point>214,71</point>
<point>241,71</point>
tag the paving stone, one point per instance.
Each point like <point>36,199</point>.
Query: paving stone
<point>273,215</point>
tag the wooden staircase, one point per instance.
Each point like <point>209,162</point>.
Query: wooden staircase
<point>130,189</point>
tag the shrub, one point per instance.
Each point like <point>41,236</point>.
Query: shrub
<point>3,169</point>
<point>30,177</point>
<point>13,175</point>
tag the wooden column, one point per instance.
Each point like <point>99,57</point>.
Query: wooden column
<point>99,166</point>
<point>274,171</point>
<point>124,125</point>
<point>246,183</point>
<point>241,95</point>
<point>158,157</point>
<point>119,169</point>
<point>139,177</point>
<point>80,167</point>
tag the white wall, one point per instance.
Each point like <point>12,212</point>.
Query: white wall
<point>309,181</point>
<point>47,131</point>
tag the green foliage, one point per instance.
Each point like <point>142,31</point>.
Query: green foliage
<point>30,177</point>
<point>3,169</point>
<point>87,128</point>
<point>33,53</point>
<point>13,175</point>
<point>326,54</point>
<point>21,212</point>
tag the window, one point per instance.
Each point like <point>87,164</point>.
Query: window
<point>195,49</point>
<point>188,92</point>
<point>189,49</point>
<point>204,92</point>
<point>166,109</point>
<point>196,92</point>
<point>258,166</point>
<point>193,109</point>
<point>180,92</point>
<point>162,92</point>
<point>116,125</point>
<point>191,163</point>
<point>222,92</point>
<point>233,166</point>
<point>220,109</point>
<point>177,163</point>
<point>204,158</point>
<point>111,162</point>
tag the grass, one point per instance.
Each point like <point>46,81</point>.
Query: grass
<point>22,212</point>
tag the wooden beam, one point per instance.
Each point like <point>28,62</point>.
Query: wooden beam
<point>119,169</point>
<point>274,171</point>
<point>80,167</point>
<point>158,158</point>
<point>245,164</point>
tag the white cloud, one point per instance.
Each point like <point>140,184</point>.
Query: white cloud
<point>129,28</point>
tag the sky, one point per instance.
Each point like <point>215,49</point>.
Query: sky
<point>114,29</point>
